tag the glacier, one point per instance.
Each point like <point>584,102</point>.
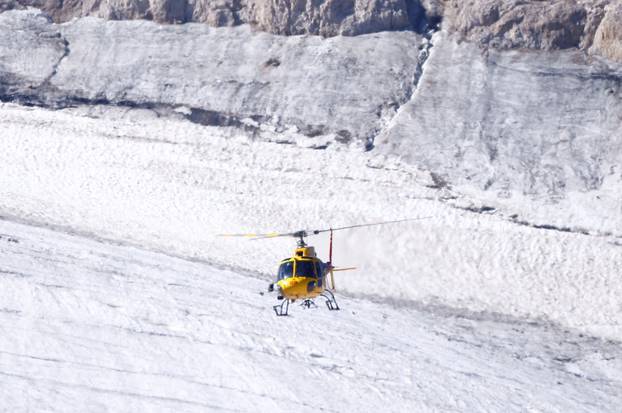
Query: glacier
<point>127,146</point>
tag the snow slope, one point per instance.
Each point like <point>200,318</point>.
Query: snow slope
<point>90,326</point>
<point>171,186</point>
<point>539,132</point>
<point>542,130</point>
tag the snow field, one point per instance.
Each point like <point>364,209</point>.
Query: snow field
<point>90,326</point>
<point>172,186</point>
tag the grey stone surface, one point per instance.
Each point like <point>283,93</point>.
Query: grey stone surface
<point>500,24</point>
<point>534,24</point>
<point>31,49</point>
<point>332,17</point>
<point>323,17</point>
<point>608,37</point>
<point>10,5</point>
<point>545,125</point>
<point>532,123</point>
<point>557,24</point>
<point>343,85</point>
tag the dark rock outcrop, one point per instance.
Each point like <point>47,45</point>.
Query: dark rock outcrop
<point>608,37</point>
<point>594,26</point>
<point>323,17</point>
<point>509,24</point>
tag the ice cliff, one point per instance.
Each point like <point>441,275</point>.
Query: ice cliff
<point>220,76</point>
<point>512,124</point>
<point>504,100</point>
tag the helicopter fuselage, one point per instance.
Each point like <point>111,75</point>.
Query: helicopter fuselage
<point>302,276</point>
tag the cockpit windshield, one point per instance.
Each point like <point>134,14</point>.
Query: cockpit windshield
<point>305,269</point>
<point>286,270</point>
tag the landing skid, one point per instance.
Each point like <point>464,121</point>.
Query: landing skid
<point>331,303</point>
<point>282,309</point>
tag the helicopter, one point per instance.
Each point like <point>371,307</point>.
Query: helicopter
<point>304,276</point>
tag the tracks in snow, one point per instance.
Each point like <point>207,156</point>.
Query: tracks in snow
<point>115,327</point>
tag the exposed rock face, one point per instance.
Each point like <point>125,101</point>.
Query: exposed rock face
<point>216,13</point>
<point>608,38</point>
<point>348,86</point>
<point>502,24</point>
<point>32,32</point>
<point>534,24</point>
<point>332,17</point>
<point>510,24</point>
<point>539,124</point>
<point>534,124</point>
<point>324,17</point>
<point>9,5</point>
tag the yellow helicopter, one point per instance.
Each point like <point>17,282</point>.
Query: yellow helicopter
<point>304,276</point>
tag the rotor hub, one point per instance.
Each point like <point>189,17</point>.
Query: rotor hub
<point>301,238</point>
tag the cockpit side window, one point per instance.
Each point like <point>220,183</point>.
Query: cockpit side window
<point>305,269</point>
<point>286,270</point>
<point>318,268</point>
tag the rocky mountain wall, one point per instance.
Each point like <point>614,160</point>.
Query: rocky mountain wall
<point>509,123</point>
<point>288,17</point>
<point>535,24</point>
<point>594,26</point>
<point>345,87</point>
<point>608,37</point>
<point>541,125</point>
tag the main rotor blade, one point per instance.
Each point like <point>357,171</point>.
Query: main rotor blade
<point>274,235</point>
<point>343,269</point>
<point>304,233</point>
<point>317,231</point>
<point>269,235</point>
<point>253,237</point>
